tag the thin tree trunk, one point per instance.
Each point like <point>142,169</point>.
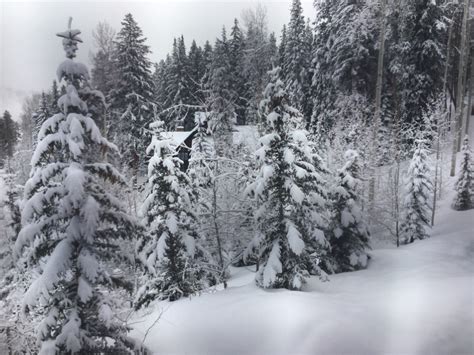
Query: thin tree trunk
<point>439,124</point>
<point>216,225</point>
<point>460,88</point>
<point>398,134</point>
<point>464,83</point>
<point>378,100</point>
<point>435,193</point>
<point>469,100</point>
<point>397,202</point>
<point>446,66</point>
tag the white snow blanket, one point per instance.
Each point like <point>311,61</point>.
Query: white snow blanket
<point>417,299</point>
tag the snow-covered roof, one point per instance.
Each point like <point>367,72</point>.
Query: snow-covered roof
<point>178,137</point>
<point>242,135</point>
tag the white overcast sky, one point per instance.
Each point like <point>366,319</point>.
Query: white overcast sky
<point>30,51</point>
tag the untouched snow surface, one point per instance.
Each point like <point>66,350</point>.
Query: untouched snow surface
<point>417,299</point>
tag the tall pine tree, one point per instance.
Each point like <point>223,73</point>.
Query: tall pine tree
<point>222,97</point>
<point>170,250</point>
<point>464,199</point>
<point>9,133</point>
<point>132,97</point>
<point>236,61</point>
<point>196,71</point>
<point>416,203</point>
<point>39,117</point>
<point>297,61</point>
<point>291,194</point>
<point>350,234</point>
<point>72,225</point>
<point>421,51</point>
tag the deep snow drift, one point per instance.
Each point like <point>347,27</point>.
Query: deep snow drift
<point>417,299</point>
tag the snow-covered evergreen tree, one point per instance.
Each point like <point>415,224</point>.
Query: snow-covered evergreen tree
<point>178,87</point>
<point>207,54</point>
<point>13,282</point>
<point>202,153</point>
<point>344,65</point>
<point>323,87</point>
<point>203,172</point>
<point>222,97</point>
<point>416,204</point>
<point>163,98</point>
<point>273,49</point>
<point>257,59</point>
<point>421,52</point>
<point>132,97</point>
<point>349,231</point>
<point>297,61</point>
<point>464,199</point>
<point>103,67</point>
<point>239,81</point>
<point>72,226</point>
<point>9,134</point>
<point>39,117</point>
<point>196,72</point>
<point>10,224</point>
<point>291,194</point>
<point>282,46</point>
<point>55,95</point>
<point>170,250</point>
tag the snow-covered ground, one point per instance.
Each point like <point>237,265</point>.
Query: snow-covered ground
<point>417,299</point>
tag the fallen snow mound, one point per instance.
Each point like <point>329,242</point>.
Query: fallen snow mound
<point>417,299</point>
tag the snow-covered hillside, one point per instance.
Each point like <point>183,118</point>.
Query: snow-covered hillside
<point>417,299</point>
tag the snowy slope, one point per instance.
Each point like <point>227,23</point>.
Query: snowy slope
<point>417,299</point>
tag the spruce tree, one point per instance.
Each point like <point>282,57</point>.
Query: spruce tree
<point>273,50</point>
<point>323,87</point>
<point>20,339</point>
<point>349,231</point>
<point>239,81</point>
<point>10,220</point>
<point>162,96</point>
<point>416,202</point>
<point>464,199</point>
<point>54,108</point>
<point>103,67</point>
<point>170,250</point>
<point>72,225</point>
<point>257,60</point>
<point>222,97</point>
<point>344,66</point>
<point>179,86</point>
<point>212,177</point>
<point>202,152</point>
<point>207,54</point>
<point>196,71</point>
<point>9,133</point>
<point>291,194</point>
<point>39,117</point>
<point>421,52</point>
<point>282,46</point>
<point>297,61</point>
<point>132,97</point>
